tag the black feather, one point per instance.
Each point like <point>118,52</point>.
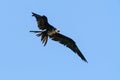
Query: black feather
<point>68,42</point>
<point>46,28</point>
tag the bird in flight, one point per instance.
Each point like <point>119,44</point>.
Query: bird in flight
<point>48,31</point>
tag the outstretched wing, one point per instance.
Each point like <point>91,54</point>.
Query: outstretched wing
<point>42,22</point>
<point>68,43</point>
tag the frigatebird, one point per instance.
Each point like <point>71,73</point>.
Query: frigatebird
<point>47,30</point>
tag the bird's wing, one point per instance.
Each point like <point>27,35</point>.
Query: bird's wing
<point>41,21</point>
<point>66,41</point>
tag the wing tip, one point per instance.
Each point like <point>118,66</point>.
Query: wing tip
<point>85,60</point>
<point>33,13</point>
<point>81,55</point>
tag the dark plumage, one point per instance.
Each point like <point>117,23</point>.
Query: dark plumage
<point>51,32</point>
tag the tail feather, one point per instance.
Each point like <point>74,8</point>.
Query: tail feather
<point>36,31</point>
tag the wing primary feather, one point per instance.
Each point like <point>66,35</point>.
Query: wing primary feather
<point>80,55</point>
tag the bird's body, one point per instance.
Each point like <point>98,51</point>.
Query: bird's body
<point>51,32</point>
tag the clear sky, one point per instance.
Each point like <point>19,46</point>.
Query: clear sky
<point>93,24</point>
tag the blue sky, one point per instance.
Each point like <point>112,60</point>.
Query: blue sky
<point>93,24</point>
